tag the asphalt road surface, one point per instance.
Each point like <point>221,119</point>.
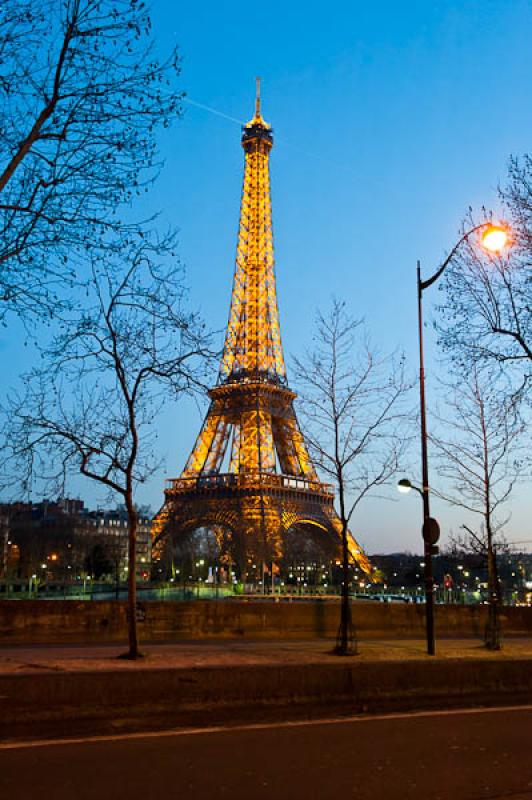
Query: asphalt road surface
<point>463,755</point>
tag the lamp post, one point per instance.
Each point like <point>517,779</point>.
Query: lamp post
<point>493,238</point>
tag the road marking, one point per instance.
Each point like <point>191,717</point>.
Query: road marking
<point>257,726</point>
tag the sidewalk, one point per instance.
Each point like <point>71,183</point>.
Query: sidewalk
<point>19,659</point>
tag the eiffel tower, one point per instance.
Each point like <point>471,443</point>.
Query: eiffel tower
<point>249,478</point>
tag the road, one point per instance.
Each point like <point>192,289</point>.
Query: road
<point>458,755</point>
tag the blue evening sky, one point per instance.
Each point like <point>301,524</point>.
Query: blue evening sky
<point>390,119</point>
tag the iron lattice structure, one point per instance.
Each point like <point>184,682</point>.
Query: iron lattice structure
<point>249,478</point>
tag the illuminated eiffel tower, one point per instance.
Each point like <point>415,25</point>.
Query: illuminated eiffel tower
<point>250,479</point>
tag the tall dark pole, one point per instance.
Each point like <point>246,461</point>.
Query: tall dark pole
<point>429,524</point>
<point>429,580</point>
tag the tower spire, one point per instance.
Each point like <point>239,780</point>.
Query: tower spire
<point>257,123</point>
<point>257,98</point>
<point>253,350</point>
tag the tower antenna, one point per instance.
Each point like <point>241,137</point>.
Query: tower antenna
<point>257,97</point>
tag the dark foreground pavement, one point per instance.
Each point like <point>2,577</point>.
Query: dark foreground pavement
<point>77,690</point>
<point>475,755</point>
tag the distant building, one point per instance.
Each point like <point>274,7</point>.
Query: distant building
<point>63,541</point>
<point>72,506</point>
<point>113,525</point>
<point>4,539</point>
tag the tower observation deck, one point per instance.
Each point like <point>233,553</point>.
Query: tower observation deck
<point>249,478</point>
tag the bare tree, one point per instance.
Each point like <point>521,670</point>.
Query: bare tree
<point>355,421</point>
<point>81,96</point>
<point>479,452</point>
<point>487,315</point>
<point>92,403</point>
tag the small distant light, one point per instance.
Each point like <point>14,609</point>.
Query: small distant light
<point>404,486</point>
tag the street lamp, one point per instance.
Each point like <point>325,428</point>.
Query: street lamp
<point>431,534</point>
<point>493,238</point>
<point>404,486</point>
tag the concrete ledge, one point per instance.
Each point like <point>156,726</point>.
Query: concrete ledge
<point>56,621</point>
<point>63,703</point>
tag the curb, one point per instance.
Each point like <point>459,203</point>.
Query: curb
<point>67,702</point>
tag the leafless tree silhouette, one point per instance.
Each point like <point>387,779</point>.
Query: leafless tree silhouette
<point>355,419</point>
<point>81,96</point>
<point>480,452</point>
<point>486,317</point>
<point>92,403</point>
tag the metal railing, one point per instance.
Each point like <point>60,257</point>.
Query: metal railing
<point>248,480</point>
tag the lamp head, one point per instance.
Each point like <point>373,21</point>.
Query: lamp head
<point>404,486</point>
<point>494,238</point>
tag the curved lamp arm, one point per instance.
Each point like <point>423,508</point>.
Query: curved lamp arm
<point>466,235</point>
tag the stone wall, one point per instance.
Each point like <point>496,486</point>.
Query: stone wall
<point>26,621</point>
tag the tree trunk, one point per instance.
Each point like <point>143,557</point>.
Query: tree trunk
<point>132,515</point>
<point>345,643</point>
<point>492,637</point>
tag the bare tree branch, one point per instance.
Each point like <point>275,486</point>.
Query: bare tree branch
<point>486,318</point>
<point>353,408</point>
<point>81,97</point>
<point>91,404</point>
<point>479,452</point>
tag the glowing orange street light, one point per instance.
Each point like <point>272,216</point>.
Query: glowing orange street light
<point>494,238</point>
